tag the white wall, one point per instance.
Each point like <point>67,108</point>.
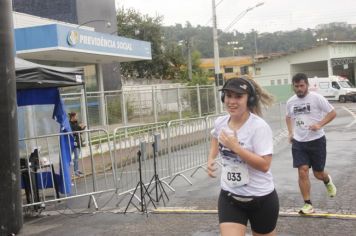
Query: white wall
<point>280,70</point>
<point>320,53</point>
<point>276,70</point>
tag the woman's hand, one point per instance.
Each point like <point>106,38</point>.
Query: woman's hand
<point>228,140</point>
<point>211,168</point>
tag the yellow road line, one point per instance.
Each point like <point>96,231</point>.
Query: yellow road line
<point>184,211</point>
<point>320,215</point>
<point>281,213</point>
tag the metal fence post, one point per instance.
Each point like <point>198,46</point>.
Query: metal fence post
<point>199,100</point>
<point>154,103</point>
<point>124,111</point>
<point>83,110</point>
<point>102,114</point>
<point>83,105</point>
<point>106,108</point>
<point>216,100</point>
<point>169,144</point>
<point>179,103</point>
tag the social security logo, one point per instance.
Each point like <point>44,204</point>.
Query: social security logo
<point>72,37</point>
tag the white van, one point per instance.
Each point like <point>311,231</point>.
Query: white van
<point>333,88</point>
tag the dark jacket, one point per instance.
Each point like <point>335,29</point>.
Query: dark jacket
<point>78,142</point>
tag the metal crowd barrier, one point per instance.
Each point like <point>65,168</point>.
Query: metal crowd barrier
<point>187,145</point>
<point>43,168</point>
<point>128,141</point>
<point>109,162</point>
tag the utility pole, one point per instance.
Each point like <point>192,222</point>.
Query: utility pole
<point>10,195</point>
<point>190,74</point>
<point>218,75</point>
<point>255,37</point>
<point>189,65</point>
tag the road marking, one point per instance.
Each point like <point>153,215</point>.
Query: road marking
<point>352,112</point>
<point>183,211</point>
<point>173,210</point>
<point>320,215</point>
<point>281,134</point>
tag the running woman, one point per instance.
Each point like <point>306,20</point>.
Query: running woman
<point>244,142</point>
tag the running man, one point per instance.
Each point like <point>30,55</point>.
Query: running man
<point>307,114</point>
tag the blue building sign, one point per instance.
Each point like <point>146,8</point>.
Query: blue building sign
<point>71,39</point>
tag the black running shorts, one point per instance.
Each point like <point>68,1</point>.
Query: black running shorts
<point>262,212</point>
<point>311,153</point>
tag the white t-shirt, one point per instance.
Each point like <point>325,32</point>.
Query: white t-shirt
<point>256,136</point>
<point>305,112</point>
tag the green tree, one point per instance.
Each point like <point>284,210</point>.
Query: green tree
<point>169,60</point>
<point>166,58</point>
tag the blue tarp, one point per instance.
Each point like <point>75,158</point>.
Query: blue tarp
<point>42,96</point>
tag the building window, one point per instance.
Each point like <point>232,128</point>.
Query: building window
<point>229,70</point>
<point>272,82</point>
<point>244,70</point>
<point>285,81</point>
<point>279,81</point>
<point>257,70</point>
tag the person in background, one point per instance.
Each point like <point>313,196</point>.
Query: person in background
<point>244,142</point>
<point>307,113</point>
<point>75,126</point>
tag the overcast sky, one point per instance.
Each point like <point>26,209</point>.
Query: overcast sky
<point>274,15</point>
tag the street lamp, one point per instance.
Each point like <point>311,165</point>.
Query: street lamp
<point>242,14</point>
<point>137,32</point>
<point>322,39</point>
<point>218,76</point>
<point>107,23</point>
<point>236,48</point>
<point>232,43</point>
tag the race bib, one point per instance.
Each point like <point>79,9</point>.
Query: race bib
<point>236,175</point>
<point>301,124</point>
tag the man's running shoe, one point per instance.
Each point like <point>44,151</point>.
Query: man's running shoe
<point>306,209</point>
<point>330,187</point>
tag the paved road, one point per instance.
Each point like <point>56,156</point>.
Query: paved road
<point>202,195</point>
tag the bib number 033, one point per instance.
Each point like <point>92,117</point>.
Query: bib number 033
<point>232,176</point>
<point>236,175</point>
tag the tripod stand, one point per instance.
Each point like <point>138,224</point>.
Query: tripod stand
<point>143,189</point>
<point>157,182</point>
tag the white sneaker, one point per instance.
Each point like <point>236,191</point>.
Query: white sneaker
<point>306,209</point>
<point>330,187</point>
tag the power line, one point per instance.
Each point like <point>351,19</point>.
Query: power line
<point>207,23</point>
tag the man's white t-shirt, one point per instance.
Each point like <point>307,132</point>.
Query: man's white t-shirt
<point>256,136</point>
<point>305,112</point>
